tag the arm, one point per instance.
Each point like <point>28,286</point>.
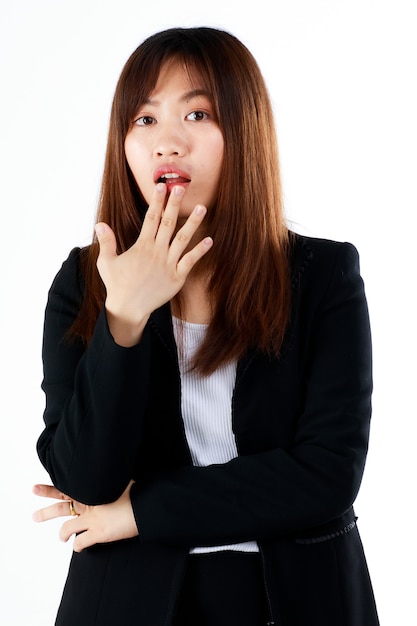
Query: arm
<point>281,491</point>
<point>93,400</point>
<point>96,398</point>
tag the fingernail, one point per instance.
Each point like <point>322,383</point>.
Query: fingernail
<point>178,191</point>
<point>99,229</point>
<point>160,187</point>
<point>200,209</point>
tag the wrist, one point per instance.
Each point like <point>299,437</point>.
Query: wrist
<point>126,332</point>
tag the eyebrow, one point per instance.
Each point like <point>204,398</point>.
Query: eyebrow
<point>188,95</point>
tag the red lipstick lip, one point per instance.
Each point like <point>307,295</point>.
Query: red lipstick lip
<point>183,177</point>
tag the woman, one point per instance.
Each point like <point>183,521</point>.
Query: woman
<point>207,372</point>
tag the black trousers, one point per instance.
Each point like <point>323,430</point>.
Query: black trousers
<point>223,589</point>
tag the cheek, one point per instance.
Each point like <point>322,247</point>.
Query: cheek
<point>135,158</point>
<point>132,153</point>
<point>212,157</point>
<point>219,152</point>
<point>218,141</point>
<point>218,160</point>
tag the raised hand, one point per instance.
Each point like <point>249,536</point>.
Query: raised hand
<point>154,269</point>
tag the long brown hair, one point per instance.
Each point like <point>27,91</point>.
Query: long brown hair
<point>248,265</point>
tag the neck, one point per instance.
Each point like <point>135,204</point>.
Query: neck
<point>193,302</point>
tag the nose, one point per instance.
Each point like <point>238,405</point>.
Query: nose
<point>171,141</point>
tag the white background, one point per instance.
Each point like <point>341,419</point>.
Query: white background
<point>342,77</point>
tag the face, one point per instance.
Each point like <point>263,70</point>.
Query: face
<point>175,138</point>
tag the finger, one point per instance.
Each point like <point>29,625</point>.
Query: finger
<point>186,232</point>
<point>84,540</point>
<point>72,527</point>
<point>59,509</point>
<point>49,491</point>
<point>186,264</point>
<point>107,241</point>
<point>170,216</point>
<point>154,213</point>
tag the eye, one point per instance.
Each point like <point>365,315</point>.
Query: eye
<point>145,120</point>
<point>197,116</point>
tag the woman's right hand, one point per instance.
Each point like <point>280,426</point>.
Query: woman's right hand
<point>153,270</point>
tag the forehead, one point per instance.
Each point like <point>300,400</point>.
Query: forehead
<point>176,76</point>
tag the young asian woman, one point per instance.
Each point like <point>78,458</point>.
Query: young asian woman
<point>207,372</point>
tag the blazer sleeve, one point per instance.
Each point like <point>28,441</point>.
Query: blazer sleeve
<point>95,397</point>
<point>270,494</point>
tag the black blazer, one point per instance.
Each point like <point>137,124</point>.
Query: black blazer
<point>301,424</point>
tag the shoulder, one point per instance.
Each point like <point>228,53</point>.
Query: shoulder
<point>321,250</point>
<point>320,258</point>
<point>69,280</point>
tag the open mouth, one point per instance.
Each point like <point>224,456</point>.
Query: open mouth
<point>171,178</point>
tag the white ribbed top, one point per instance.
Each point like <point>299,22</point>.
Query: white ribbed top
<point>206,404</point>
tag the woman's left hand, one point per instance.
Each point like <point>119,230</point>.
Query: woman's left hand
<point>91,524</point>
